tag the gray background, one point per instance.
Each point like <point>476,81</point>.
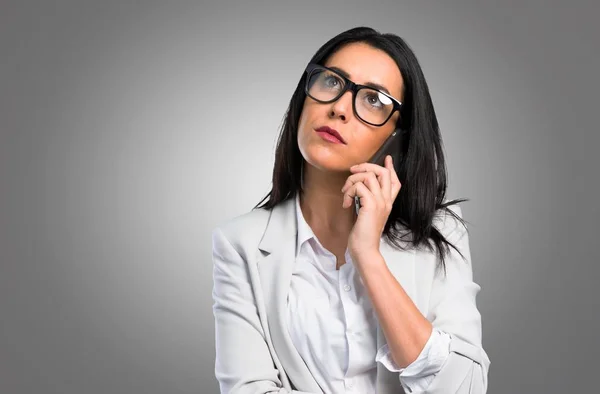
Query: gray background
<point>130,130</point>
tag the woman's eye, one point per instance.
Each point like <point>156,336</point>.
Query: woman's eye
<point>373,100</point>
<point>331,81</point>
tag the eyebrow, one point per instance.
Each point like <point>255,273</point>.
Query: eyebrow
<point>371,84</point>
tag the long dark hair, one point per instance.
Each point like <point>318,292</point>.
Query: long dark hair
<point>421,167</point>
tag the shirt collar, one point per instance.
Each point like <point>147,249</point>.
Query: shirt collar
<point>304,231</point>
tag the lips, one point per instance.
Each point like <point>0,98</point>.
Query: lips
<point>333,132</point>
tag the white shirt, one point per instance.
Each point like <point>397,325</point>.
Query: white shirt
<point>333,325</point>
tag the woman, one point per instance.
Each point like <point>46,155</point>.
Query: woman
<point>313,296</point>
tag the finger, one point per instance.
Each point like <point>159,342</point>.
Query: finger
<point>352,179</point>
<point>367,200</point>
<point>370,189</point>
<point>348,198</point>
<point>369,180</point>
<point>350,191</point>
<point>383,174</point>
<point>373,182</point>
<point>386,179</point>
<point>395,184</point>
<point>377,169</point>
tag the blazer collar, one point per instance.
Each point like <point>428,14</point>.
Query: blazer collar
<point>275,269</point>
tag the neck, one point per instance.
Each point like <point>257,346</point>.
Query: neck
<point>321,201</point>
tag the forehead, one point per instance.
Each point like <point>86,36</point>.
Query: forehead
<point>364,63</point>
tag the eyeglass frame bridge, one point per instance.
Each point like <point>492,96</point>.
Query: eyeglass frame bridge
<point>353,87</point>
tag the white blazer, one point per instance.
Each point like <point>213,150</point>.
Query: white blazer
<point>253,256</point>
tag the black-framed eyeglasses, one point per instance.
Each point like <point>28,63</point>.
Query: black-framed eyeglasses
<point>370,105</point>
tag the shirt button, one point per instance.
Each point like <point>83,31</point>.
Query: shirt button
<point>350,384</point>
<point>347,287</point>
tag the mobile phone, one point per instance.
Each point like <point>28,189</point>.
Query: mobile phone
<point>391,146</point>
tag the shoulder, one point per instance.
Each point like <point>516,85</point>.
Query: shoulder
<point>245,230</point>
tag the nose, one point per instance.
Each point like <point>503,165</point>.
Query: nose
<point>342,107</point>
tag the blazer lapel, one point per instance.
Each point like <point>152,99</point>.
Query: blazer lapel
<point>275,272</point>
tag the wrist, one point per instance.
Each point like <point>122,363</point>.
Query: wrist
<point>368,258</point>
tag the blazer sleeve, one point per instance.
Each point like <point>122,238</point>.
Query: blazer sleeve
<point>243,363</point>
<point>452,309</point>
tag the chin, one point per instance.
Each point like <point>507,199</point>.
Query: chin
<point>325,162</point>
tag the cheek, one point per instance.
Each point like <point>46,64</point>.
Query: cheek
<point>304,141</point>
<point>302,124</point>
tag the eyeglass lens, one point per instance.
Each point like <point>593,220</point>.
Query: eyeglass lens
<point>371,105</point>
